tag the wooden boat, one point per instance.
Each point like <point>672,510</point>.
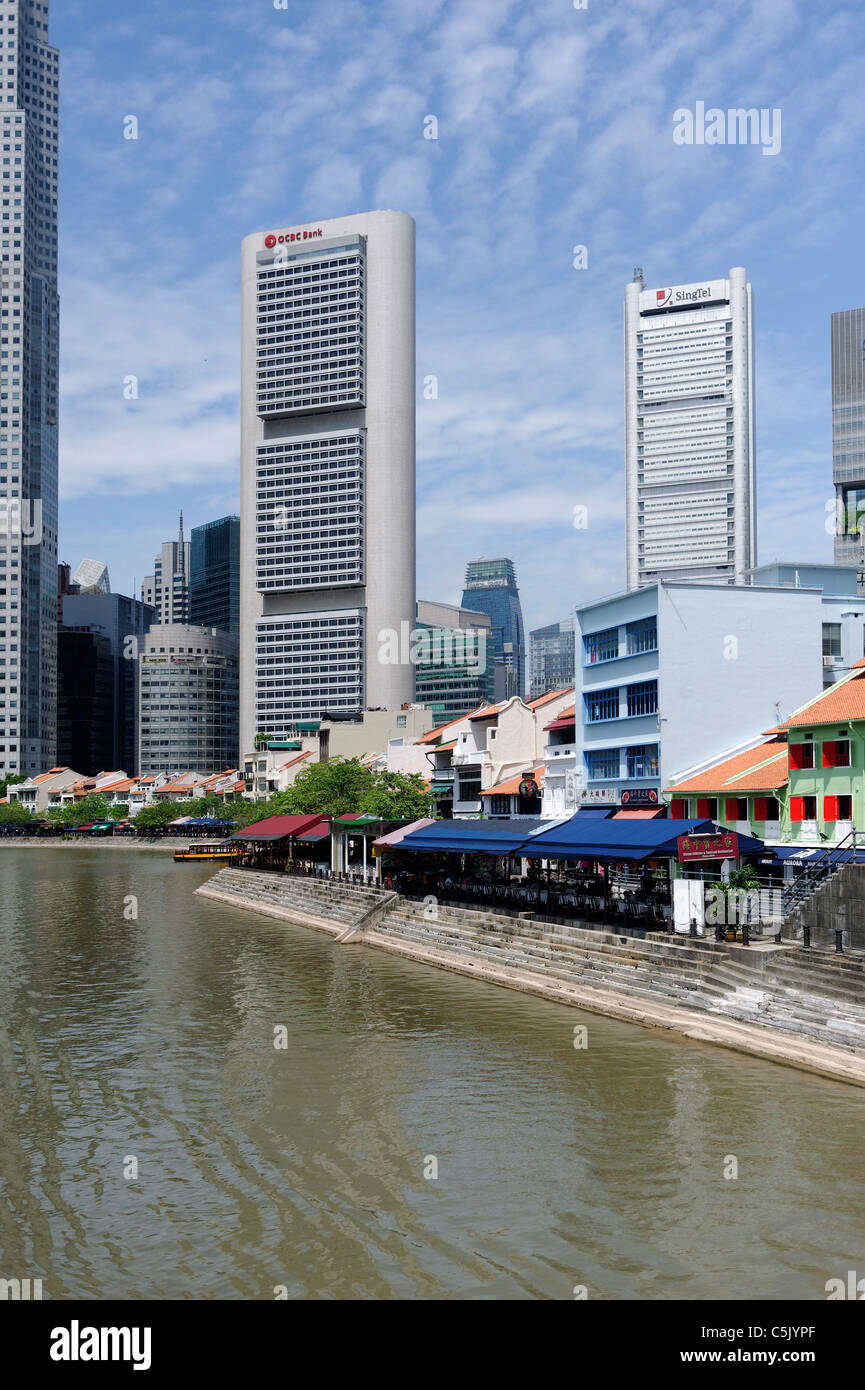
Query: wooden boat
<point>225,849</point>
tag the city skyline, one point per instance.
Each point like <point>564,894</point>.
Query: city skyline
<point>529,384</point>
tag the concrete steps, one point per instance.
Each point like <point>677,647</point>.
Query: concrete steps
<point>335,901</point>
<point>697,975</point>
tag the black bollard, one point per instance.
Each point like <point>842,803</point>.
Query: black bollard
<point>806,936</point>
<point>839,942</point>
<point>693,927</point>
<point>778,937</point>
<point>746,934</point>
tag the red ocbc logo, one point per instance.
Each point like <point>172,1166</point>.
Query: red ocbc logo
<point>271,240</point>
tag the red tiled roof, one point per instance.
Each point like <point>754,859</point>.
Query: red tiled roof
<point>432,734</point>
<point>549,695</point>
<point>841,703</point>
<point>512,786</point>
<point>300,758</point>
<point>763,768</point>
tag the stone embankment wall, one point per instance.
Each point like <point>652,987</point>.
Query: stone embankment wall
<point>806,1009</point>
<point>838,905</point>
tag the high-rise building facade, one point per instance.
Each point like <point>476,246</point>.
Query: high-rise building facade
<point>551,657</point>
<point>848,433</point>
<point>188,700</point>
<point>327,509</point>
<point>167,588</point>
<point>491,587</point>
<point>86,702</point>
<point>214,574</point>
<point>689,430</point>
<point>123,622</point>
<point>29,379</point>
<point>455,671</point>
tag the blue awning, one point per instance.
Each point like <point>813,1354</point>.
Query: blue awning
<point>474,836</point>
<point>811,854</point>
<point>602,812</point>
<point>623,839</point>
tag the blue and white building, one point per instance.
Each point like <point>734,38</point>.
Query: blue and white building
<point>678,671</point>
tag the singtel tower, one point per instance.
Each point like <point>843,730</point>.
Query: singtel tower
<point>28,401</point>
<point>689,430</point>
<point>327,514</point>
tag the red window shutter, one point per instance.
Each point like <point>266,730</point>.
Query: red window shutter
<point>797,808</point>
<point>702,809</point>
<point>679,810</point>
<point>796,755</point>
<point>731,808</point>
<point>830,808</point>
<point>830,754</point>
<point>761,808</point>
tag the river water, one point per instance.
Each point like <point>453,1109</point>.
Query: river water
<point>156,1143</point>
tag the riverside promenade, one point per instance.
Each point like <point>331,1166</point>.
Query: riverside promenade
<point>107,842</point>
<point>802,1008</point>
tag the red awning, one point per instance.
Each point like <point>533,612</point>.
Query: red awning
<point>562,724</point>
<point>277,827</point>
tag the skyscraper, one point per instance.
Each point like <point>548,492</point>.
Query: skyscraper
<point>214,574</point>
<point>689,430</point>
<point>454,671</point>
<point>551,657</point>
<point>167,588</point>
<point>188,700</point>
<point>122,621</point>
<point>28,401</point>
<point>327,499</point>
<point>491,587</point>
<point>848,432</point>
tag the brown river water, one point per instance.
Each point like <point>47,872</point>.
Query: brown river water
<point>155,1143</point>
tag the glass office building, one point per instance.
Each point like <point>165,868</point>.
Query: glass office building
<point>28,401</point>
<point>491,587</point>
<point>214,574</point>
<point>848,433</point>
<point>551,655</point>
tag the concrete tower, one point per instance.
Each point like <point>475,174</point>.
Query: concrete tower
<point>327,510</point>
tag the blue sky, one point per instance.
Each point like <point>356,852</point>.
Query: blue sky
<point>555,129</point>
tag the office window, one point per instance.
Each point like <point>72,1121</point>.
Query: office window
<point>642,698</point>
<point>602,704</point>
<point>642,636</point>
<point>601,646</point>
<point>601,763</point>
<point>643,760</point>
<point>831,639</point>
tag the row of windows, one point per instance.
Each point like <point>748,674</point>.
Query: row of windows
<point>640,636</point>
<point>641,760</point>
<point>640,698</point>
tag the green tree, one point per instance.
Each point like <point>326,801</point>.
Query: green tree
<point>152,817</point>
<point>11,779</point>
<point>333,788</point>
<point>15,814</point>
<point>93,808</point>
<point>397,796</point>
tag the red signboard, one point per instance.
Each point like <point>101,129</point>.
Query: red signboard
<point>723,846</point>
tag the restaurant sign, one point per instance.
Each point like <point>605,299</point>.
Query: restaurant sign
<point>604,796</point>
<point>640,796</point>
<point>696,847</point>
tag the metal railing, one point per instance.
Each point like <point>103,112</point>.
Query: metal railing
<point>811,876</point>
